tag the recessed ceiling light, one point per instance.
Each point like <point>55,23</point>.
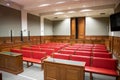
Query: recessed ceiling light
<point>58,13</point>
<point>60,2</point>
<point>8,4</point>
<point>86,10</point>
<point>71,11</point>
<point>43,5</point>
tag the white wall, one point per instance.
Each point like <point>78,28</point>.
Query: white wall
<point>48,27</point>
<point>33,24</point>
<point>24,22</point>
<point>61,27</point>
<point>97,26</point>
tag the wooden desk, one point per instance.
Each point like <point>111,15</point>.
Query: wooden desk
<point>11,62</point>
<point>59,69</point>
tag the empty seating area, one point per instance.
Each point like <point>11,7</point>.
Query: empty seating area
<point>97,58</point>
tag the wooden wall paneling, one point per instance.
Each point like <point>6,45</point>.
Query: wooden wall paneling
<point>17,45</point>
<point>107,43</point>
<point>88,41</point>
<point>81,27</point>
<point>81,41</point>
<point>116,47</point>
<point>16,39</point>
<point>48,39</point>
<point>73,27</point>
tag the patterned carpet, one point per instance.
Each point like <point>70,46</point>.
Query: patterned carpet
<point>35,73</point>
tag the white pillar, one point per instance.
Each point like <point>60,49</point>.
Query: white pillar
<point>24,22</point>
<point>42,25</point>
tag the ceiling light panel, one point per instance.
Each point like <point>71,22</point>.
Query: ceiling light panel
<point>61,2</point>
<point>58,13</point>
<point>43,5</point>
<point>85,10</point>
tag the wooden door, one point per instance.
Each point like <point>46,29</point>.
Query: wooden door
<point>78,28</point>
<point>73,28</point>
<point>81,28</point>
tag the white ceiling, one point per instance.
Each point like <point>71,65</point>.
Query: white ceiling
<point>68,8</point>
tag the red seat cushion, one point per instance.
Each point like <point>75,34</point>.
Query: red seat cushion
<point>101,71</point>
<point>35,61</point>
<point>26,59</point>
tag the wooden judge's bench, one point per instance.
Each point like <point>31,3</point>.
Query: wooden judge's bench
<point>59,69</point>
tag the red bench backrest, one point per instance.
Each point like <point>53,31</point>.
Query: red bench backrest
<point>83,53</point>
<point>27,53</point>
<point>16,50</point>
<point>102,55</point>
<point>104,63</point>
<point>26,48</point>
<point>67,52</point>
<point>38,55</point>
<point>100,50</point>
<point>35,49</point>
<point>61,56</point>
<point>81,58</point>
<point>48,51</point>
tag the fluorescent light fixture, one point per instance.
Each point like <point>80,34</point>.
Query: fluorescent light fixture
<point>75,0</point>
<point>60,2</point>
<point>43,5</point>
<point>58,13</point>
<point>86,10</point>
<point>71,11</point>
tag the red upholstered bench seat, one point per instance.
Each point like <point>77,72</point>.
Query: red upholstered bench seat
<point>105,66</point>
<point>101,71</point>
<point>31,56</point>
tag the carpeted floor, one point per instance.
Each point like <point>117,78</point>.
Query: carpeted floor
<point>35,73</point>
